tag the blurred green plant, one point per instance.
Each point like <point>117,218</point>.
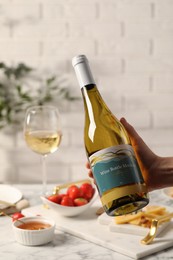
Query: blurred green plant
<point>21,86</point>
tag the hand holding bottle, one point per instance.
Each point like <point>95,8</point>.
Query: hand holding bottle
<point>157,171</point>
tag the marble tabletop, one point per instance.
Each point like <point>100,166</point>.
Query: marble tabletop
<point>64,246</point>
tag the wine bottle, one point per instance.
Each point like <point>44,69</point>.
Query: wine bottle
<point>115,169</point>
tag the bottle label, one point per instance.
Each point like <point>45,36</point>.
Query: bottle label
<point>114,167</point>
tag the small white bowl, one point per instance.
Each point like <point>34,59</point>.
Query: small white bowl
<point>34,237</point>
<point>69,211</point>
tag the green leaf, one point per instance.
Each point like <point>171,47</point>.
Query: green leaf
<point>15,96</point>
<point>50,80</point>
<point>2,65</point>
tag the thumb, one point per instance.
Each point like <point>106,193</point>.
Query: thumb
<point>136,141</point>
<point>134,136</point>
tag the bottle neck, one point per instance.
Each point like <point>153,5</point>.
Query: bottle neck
<point>82,70</point>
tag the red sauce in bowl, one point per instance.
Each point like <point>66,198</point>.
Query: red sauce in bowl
<point>34,225</point>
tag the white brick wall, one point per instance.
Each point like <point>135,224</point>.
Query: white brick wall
<point>130,47</point>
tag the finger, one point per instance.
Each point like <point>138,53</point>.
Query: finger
<point>90,174</point>
<point>87,165</point>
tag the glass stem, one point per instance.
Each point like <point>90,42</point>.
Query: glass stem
<point>44,174</point>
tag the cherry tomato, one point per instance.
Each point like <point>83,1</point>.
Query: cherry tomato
<point>88,190</point>
<point>80,201</point>
<point>16,216</point>
<point>74,192</point>
<point>62,196</point>
<point>56,198</point>
<point>67,201</point>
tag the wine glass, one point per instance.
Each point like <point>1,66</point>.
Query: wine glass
<point>42,132</point>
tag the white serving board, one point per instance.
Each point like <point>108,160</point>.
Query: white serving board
<point>87,226</point>
<point>104,219</point>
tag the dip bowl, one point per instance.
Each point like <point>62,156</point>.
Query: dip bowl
<point>33,231</point>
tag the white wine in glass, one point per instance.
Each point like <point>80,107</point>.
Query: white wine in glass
<point>42,132</point>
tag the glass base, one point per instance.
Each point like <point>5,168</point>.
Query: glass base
<point>126,208</point>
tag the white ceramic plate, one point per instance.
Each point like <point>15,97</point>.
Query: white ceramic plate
<point>104,219</point>
<point>168,192</point>
<point>9,194</point>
